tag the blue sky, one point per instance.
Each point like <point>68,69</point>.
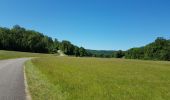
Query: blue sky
<point>93,24</point>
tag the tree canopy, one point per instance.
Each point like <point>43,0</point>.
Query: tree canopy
<point>21,39</point>
<point>157,50</point>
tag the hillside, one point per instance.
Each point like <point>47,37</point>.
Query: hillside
<point>99,52</point>
<point>20,39</point>
<point>25,40</point>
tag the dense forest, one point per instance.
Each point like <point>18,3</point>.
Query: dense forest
<point>157,50</point>
<point>21,39</point>
<point>107,53</point>
<point>101,53</point>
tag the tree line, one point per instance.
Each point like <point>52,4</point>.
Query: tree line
<point>157,50</point>
<point>107,53</point>
<point>21,39</point>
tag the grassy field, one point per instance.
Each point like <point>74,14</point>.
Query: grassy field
<point>69,78</point>
<point>14,54</point>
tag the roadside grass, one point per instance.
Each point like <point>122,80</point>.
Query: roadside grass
<point>40,87</point>
<point>15,54</point>
<point>70,78</point>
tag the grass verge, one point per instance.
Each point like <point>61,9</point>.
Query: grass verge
<point>40,87</point>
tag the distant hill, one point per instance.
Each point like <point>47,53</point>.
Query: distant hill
<point>100,52</point>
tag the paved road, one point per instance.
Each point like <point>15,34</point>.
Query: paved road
<point>12,85</point>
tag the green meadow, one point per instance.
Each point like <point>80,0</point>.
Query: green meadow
<point>71,78</point>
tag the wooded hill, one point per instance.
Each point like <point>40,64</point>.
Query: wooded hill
<point>157,50</point>
<point>21,39</point>
<point>101,53</point>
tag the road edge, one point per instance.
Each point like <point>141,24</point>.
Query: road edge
<point>27,93</point>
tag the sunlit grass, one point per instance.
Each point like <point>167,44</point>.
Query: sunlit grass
<point>40,87</point>
<point>101,79</point>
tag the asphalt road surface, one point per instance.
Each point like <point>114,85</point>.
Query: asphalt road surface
<point>12,85</point>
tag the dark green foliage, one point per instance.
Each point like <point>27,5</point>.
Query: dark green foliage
<point>135,53</point>
<point>20,39</point>
<point>118,54</point>
<point>67,47</point>
<point>100,53</point>
<point>55,47</point>
<point>76,51</point>
<point>158,50</point>
<point>107,53</point>
<point>82,52</point>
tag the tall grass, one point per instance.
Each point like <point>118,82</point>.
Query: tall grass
<point>39,85</point>
<point>101,79</point>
